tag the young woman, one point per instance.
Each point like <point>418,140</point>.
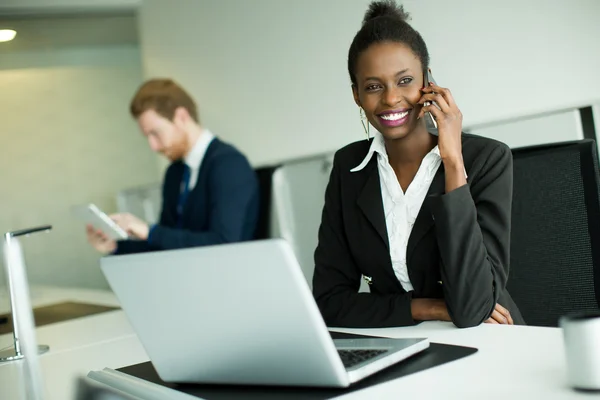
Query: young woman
<point>423,218</point>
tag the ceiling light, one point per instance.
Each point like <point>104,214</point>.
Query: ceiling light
<point>6,35</point>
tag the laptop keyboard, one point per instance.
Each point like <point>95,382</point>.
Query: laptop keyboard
<point>350,358</point>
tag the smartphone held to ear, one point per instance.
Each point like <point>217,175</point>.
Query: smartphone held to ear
<point>430,121</point>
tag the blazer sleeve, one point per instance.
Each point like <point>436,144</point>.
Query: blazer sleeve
<point>336,279</point>
<point>132,246</point>
<point>233,192</point>
<point>473,233</point>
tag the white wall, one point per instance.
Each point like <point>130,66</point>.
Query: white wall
<point>37,6</point>
<point>67,139</point>
<point>563,126</point>
<point>271,76</point>
<point>596,115</point>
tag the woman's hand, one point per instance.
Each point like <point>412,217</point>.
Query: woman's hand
<point>449,122</point>
<point>448,118</point>
<point>436,310</point>
<point>500,316</point>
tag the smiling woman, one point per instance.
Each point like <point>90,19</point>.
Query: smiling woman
<point>426,218</point>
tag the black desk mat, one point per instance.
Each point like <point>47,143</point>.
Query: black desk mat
<point>437,354</point>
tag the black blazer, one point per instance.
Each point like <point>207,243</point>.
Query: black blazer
<point>221,208</point>
<point>460,239</point>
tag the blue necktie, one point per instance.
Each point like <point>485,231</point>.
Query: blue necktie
<point>184,189</point>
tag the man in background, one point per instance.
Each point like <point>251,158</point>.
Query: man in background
<point>210,192</point>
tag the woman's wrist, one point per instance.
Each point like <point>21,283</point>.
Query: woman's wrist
<point>454,162</point>
<point>428,309</point>
<point>454,169</point>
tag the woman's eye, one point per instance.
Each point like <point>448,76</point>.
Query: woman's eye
<point>372,87</point>
<point>405,81</point>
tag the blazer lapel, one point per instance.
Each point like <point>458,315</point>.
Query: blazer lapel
<point>424,221</point>
<point>371,203</point>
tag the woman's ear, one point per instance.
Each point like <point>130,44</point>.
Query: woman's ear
<point>355,94</point>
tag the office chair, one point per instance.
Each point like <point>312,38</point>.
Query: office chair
<point>555,236</point>
<point>265,212</point>
<point>298,199</point>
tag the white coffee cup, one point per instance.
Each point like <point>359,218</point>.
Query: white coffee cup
<point>581,334</point>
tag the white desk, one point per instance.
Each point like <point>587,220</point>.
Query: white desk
<point>45,295</point>
<point>78,333</point>
<point>512,362</point>
<point>76,346</point>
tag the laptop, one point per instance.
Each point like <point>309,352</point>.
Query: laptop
<point>88,389</point>
<point>240,314</point>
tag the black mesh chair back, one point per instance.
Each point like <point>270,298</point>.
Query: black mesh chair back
<point>555,236</point>
<point>265,184</point>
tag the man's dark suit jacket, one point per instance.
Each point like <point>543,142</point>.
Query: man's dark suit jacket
<point>221,208</point>
<point>461,239</point>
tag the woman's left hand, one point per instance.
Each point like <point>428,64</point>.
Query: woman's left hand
<point>500,316</point>
<point>449,121</point>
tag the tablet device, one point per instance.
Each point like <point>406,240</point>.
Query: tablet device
<point>91,214</point>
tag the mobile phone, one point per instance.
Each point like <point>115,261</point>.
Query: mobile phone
<point>430,121</point>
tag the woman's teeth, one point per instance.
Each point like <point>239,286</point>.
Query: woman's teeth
<point>394,117</point>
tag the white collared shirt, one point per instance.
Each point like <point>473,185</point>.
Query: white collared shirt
<point>401,209</point>
<point>194,158</point>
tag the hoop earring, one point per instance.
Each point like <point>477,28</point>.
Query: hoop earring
<point>365,122</point>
